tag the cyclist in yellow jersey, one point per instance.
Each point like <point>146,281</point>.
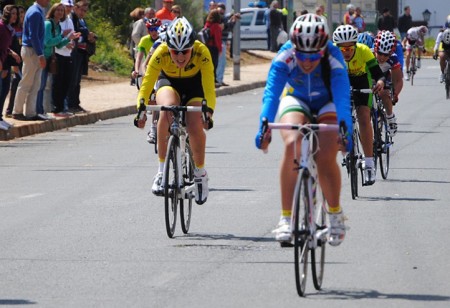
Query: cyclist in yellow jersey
<point>362,67</point>
<point>183,71</point>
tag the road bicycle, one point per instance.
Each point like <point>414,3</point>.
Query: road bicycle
<point>382,141</point>
<point>354,160</point>
<point>413,64</point>
<point>309,209</point>
<point>447,79</point>
<point>178,175</point>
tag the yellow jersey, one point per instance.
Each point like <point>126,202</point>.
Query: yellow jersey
<point>200,67</point>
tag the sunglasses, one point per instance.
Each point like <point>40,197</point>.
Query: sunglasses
<point>153,28</point>
<point>177,52</point>
<point>383,54</point>
<point>304,56</point>
<point>347,48</point>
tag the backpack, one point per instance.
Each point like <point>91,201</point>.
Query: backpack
<point>204,35</point>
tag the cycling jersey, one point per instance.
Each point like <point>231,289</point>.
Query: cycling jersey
<point>391,63</point>
<point>439,45</point>
<point>145,44</point>
<point>310,88</point>
<point>362,67</point>
<point>414,37</point>
<point>196,77</point>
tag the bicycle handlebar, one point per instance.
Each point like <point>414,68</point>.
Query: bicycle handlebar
<point>292,126</point>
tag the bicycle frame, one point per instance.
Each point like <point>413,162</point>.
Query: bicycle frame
<point>307,163</point>
<point>178,129</point>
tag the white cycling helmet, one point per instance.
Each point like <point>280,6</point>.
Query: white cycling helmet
<point>345,34</point>
<point>309,33</point>
<point>446,37</point>
<point>180,35</point>
<point>385,42</point>
<point>350,7</point>
<point>423,29</point>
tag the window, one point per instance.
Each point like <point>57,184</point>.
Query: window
<point>260,18</point>
<point>246,18</point>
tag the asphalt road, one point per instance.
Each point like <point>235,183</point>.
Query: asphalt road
<point>80,227</point>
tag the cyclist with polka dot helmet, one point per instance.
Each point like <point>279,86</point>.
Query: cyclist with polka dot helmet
<point>385,47</point>
<point>309,76</point>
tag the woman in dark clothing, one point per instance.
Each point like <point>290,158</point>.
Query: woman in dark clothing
<point>214,43</point>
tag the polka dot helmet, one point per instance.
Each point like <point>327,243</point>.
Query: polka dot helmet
<point>385,42</point>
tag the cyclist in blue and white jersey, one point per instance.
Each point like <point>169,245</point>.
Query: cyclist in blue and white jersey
<point>384,49</point>
<point>310,76</point>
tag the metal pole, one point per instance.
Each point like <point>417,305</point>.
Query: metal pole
<point>330,16</point>
<point>237,43</point>
<point>290,8</point>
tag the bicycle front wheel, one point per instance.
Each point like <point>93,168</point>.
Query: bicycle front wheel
<point>354,166</point>
<point>318,253</point>
<point>301,231</point>
<point>413,69</point>
<point>384,146</point>
<point>447,81</point>
<point>171,189</point>
<point>186,201</point>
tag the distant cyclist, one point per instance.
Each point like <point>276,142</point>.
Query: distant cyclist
<point>414,37</point>
<point>309,75</point>
<point>385,44</point>
<point>442,49</point>
<point>183,70</point>
<point>362,68</point>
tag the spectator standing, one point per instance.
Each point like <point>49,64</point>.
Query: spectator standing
<point>17,47</point>
<point>267,22</point>
<point>176,10</point>
<point>137,14</point>
<point>7,55</point>
<point>349,15</point>
<point>33,62</point>
<point>80,57</point>
<point>227,23</point>
<point>165,14</point>
<point>405,22</point>
<point>54,38</point>
<point>61,80</point>
<point>358,20</point>
<point>276,20</point>
<point>386,21</point>
<point>214,43</point>
<point>139,27</point>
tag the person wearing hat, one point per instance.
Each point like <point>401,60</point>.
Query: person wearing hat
<point>350,15</point>
<point>165,14</point>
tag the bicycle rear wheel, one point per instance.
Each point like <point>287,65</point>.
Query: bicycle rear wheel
<point>171,189</point>
<point>384,145</point>
<point>186,201</point>
<point>318,253</point>
<point>301,231</point>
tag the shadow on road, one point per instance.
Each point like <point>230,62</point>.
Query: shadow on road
<point>373,294</point>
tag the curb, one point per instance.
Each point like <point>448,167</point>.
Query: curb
<point>92,117</point>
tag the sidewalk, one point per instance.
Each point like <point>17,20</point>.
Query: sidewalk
<point>110,100</point>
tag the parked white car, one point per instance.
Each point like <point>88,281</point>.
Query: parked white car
<point>253,25</point>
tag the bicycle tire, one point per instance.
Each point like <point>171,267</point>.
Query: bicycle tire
<point>318,253</point>
<point>300,232</point>
<point>188,179</point>
<point>171,189</point>
<point>413,68</point>
<point>447,81</point>
<point>353,166</point>
<point>376,139</point>
<point>384,146</point>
